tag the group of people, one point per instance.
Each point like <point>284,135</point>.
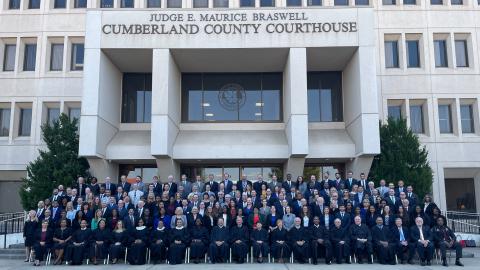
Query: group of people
<point>336,219</point>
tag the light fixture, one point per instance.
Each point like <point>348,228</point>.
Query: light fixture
<point>258,114</point>
<point>259,104</point>
<point>209,114</point>
<point>206,104</point>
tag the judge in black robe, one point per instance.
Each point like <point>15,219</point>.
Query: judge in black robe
<point>381,239</point>
<point>178,238</point>
<point>361,240</point>
<point>199,241</point>
<point>43,242</point>
<point>61,237</point>
<point>279,242</point>
<point>101,238</point>
<point>78,249</point>
<point>119,241</point>
<point>320,241</point>
<point>259,238</point>
<point>299,238</point>
<point>218,249</point>
<point>159,242</point>
<point>138,244</point>
<point>340,241</point>
<point>239,238</point>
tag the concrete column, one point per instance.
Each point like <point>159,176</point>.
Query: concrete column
<point>438,187</point>
<point>166,167</point>
<point>476,182</point>
<point>359,165</point>
<point>102,168</point>
<point>295,100</point>
<point>294,166</point>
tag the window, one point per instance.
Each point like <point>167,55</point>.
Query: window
<point>440,49</point>
<point>80,4</point>
<point>74,113</point>
<point>461,53</point>
<point>154,3</point>
<point>4,122</point>
<point>436,2</point>
<point>231,97</point>
<point>77,56</point>
<point>466,113</point>
<point>9,57</point>
<point>136,98</point>
<point>56,57</point>
<point>200,3</point>
<point>220,3</point>
<point>445,118</point>
<point>294,3</point>
<point>268,3</point>
<point>59,3</point>
<point>395,111</point>
<point>106,3</point>
<point>391,54</point>
<point>52,115</point>
<point>247,3</point>
<point>389,2</point>
<point>14,4</point>
<point>340,2</point>
<point>413,55</point>
<point>30,55</point>
<point>457,2</point>
<point>174,3</point>
<point>25,124</point>
<point>127,3</point>
<point>360,3</point>
<point>34,4</point>
<point>409,2</point>
<point>324,95</point>
<point>416,119</point>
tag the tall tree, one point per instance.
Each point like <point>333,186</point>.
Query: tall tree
<point>402,157</point>
<point>57,164</point>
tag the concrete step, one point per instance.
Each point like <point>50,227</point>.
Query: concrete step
<point>21,245</point>
<point>12,251</point>
<point>12,256</point>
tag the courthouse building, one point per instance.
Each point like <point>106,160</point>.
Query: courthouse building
<point>242,86</point>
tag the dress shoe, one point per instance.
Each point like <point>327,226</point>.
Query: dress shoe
<point>422,263</point>
<point>458,263</point>
<point>429,263</point>
<point>444,263</point>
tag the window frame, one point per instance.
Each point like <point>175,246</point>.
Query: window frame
<point>25,56</point>
<point>449,119</point>
<point>471,119</point>
<point>53,46</point>
<point>21,126</point>
<point>464,51</point>
<point>5,57</point>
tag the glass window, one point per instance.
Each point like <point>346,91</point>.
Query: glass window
<point>314,2</point>
<point>154,3</point>
<point>174,3</point>
<point>294,3</point>
<point>324,97</point>
<point>440,48</point>
<point>56,57</point>
<point>34,4</point>
<point>247,3</point>
<point>137,98</point>
<point>4,122</point>
<point>30,55</point>
<point>389,2</point>
<point>340,2</point>
<point>74,113</point>
<point>416,118</point>
<point>466,112</point>
<point>409,2</point>
<point>200,3</point>
<point>267,3</point>
<point>127,3</point>
<point>106,4</point>
<point>9,57</point>
<point>25,122</point>
<point>457,2</point>
<point>77,56</point>
<point>445,118</point>
<point>14,4</point>
<point>59,3</point>
<point>391,54</point>
<point>395,111</point>
<point>52,115</point>
<point>361,3</point>
<point>232,97</point>
<point>413,55</point>
<point>436,2</point>
<point>220,3</point>
<point>80,4</point>
<point>461,53</point>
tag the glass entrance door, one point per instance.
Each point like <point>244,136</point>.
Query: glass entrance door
<point>235,171</point>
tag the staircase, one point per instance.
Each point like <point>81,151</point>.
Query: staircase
<point>13,252</point>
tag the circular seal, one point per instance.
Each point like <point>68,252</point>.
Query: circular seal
<point>231,96</point>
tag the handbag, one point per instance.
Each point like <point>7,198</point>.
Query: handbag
<point>461,241</point>
<point>470,243</point>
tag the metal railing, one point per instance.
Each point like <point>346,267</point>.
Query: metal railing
<point>11,223</point>
<point>463,222</point>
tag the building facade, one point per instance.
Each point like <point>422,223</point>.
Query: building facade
<point>242,86</point>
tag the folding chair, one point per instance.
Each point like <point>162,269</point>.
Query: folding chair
<point>49,257</point>
<point>187,255</point>
<point>126,253</point>
<point>107,260</point>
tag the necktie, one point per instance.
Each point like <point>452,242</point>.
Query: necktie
<point>402,236</point>
<point>341,214</point>
<point>132,220</point>
<point>421,233</point>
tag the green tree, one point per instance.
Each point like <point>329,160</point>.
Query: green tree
<point>58,162</point>
<point>402,158</point>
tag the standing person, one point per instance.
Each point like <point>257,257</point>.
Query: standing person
<point>340,241</point>
<point>259,239</point>
<point>421,236</point>
<point>124,183</point>
<point>179,239</point>
<point>119,242</point>
<point>239,237</point>
<point>279,242</point>
<point>446,239</point>
<point>61,237</point>
<point>320,238</point>
<point>43,241</point>
<point>219,238</point>
<point>78,247</point>
<point>198,241</point>
<point>299,239</point>
<point>29,228</point>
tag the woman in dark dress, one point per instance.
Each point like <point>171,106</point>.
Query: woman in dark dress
<point>119,242</point>
<point>43,241</point>
<point>209,220</point>
<point>114,218</point>
<point>101,238</point>
<point>60,239</point>
<point>77,221</point>
<point>199,238</point>
<point>87,212</point>
<point>178,243</point>
<point>63,215</point>
<point>371,216</point>
<point>147,218</point>
<point>159,242</point>
<point>29,228</point>
<point>278,242</point>
<point>138,246</point>
<point>77,250</point>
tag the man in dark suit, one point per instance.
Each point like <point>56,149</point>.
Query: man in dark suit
<point>130,220</point>
<point>446,239</point>
<point>157,187</point>
<point>274,183</point>
<point>344,217</point>
<point>393,200</point>
<point>350,181</point>
<point>381,239</point>
<point>400,238</point>
<point>140,211</point>
<point>287,184</point>
<point>172,186</point>
<point>337,182</point>
<point>257,186</point>
<point>359,196</point>
<point>363,182</point>
<point>122,211</point>
<point>400,188</point>
<point>243,183</point>
<point>55,211</point>
<point>124,184</point>
<point>318,206</point>
<point>422,238</point>
<point>213,184</point>
<point>80,186</point>
<point>228,184</point>
<point>110,186</point>
<point>412,197</point>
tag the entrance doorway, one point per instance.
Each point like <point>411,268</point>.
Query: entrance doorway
<point>235,171</point>
<point>319,169</point>
<point>460,194</point>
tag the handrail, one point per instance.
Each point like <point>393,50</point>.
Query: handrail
<point>5,220</point>
<point>461,222</point>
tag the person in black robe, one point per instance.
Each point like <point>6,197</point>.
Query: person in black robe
<point>78,248</point>
<point>119,241</point>
<point>159,242</point>
<point>259,238</point>
<point>340,241</point>
<point>199,241</point>
<point>43,242</point>
<point>178,238</point>
<point>101,238</point>
<point>381,239</point>
<point>299,238</point>
<point>361,240</point>
<point>239,237</point>
<point>421,236</point>
<point>320,241</point>
<point>61,237</point>
<point>218,249</point>
<point>445,239</point>
<point>138,244</point>
<point>29,229</point>
<point>279,242</point>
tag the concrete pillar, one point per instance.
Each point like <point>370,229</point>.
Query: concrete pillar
<point>476,182</point>
<point>102,168</point>
<point>359,165</point>
<point>293,166</point>
<point>166,167</point>
<point>438,187</point>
